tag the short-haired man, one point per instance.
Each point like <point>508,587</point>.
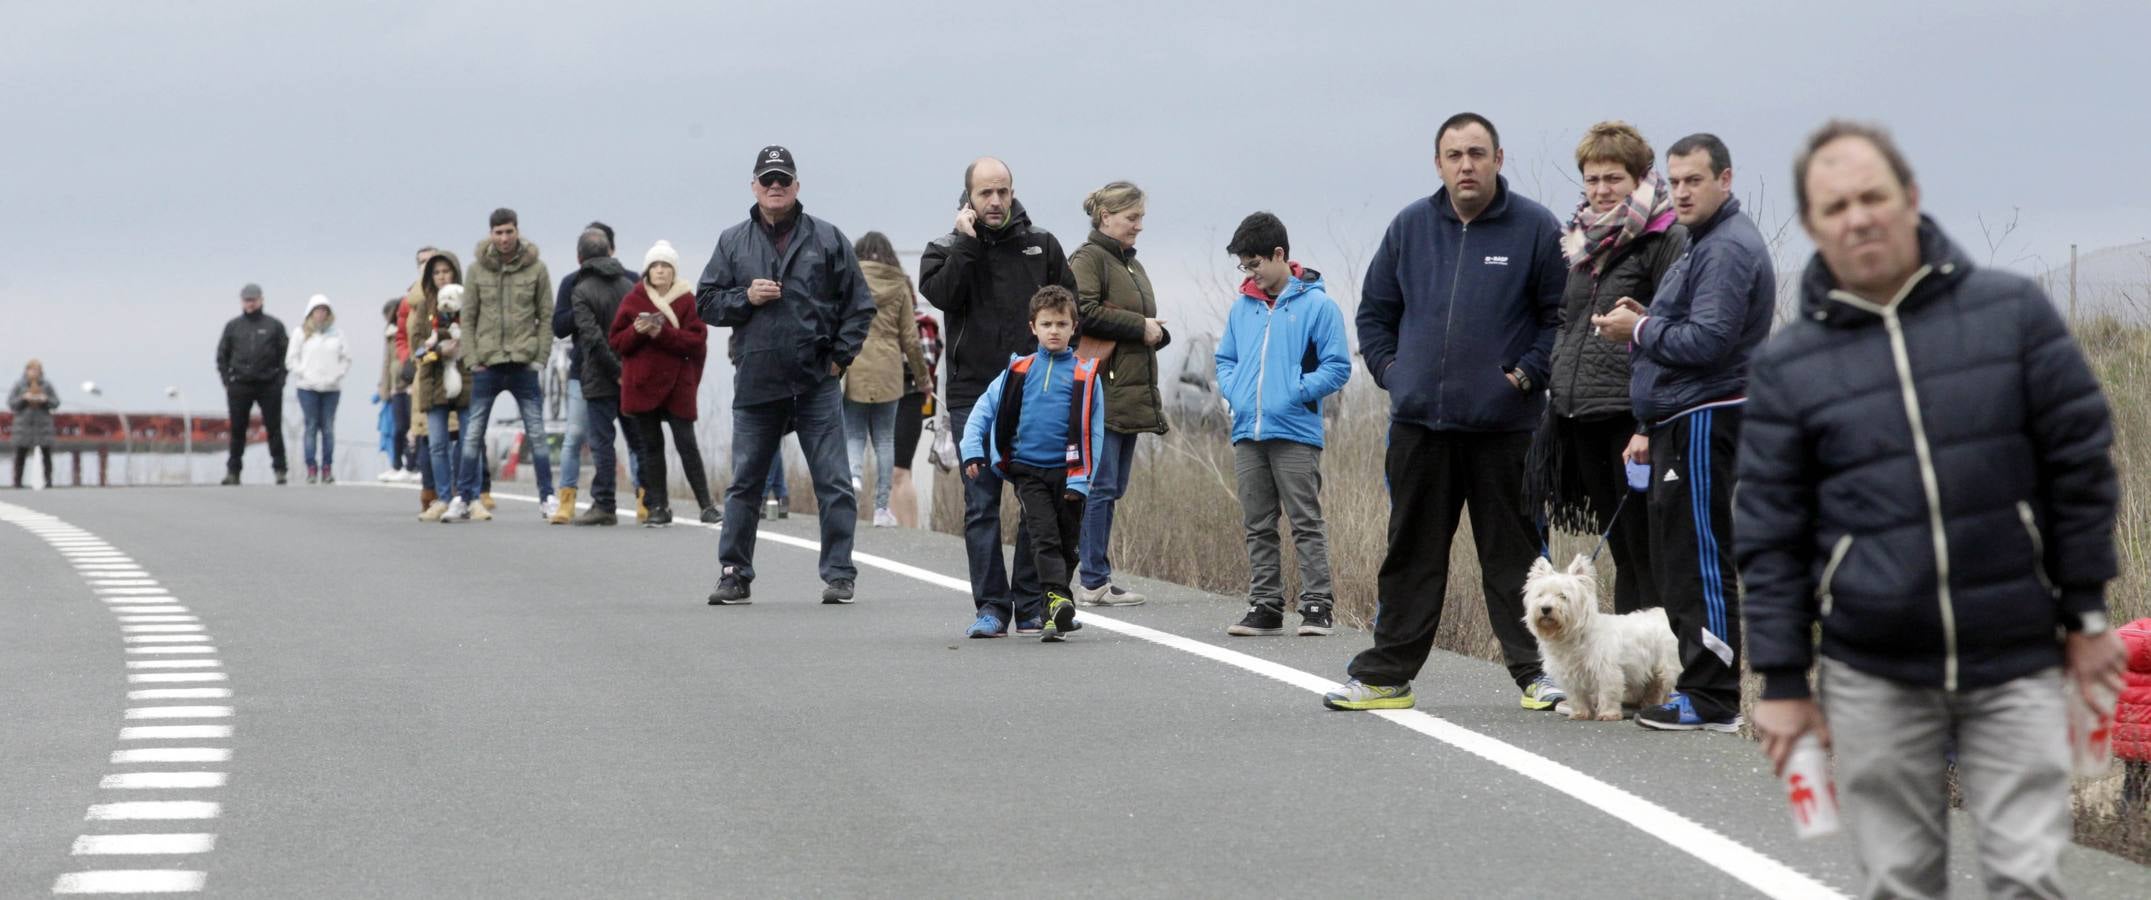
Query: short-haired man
<point>1688,381</point>
<point>1284,350</point>
<point>1926,474</point>
<point>250,362</point>
<point>595,292</point>
<point>1457,321</point>
<point>789,287</point>
<point>508,296</point>
<point>982,275</point>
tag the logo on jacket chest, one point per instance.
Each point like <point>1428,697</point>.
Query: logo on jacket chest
<point>1033,250</point>
<point>1497,260</point>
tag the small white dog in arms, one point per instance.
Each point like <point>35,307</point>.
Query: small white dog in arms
<point>1602,660</point>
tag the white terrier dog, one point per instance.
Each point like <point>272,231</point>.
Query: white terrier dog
<point>1601,660</point>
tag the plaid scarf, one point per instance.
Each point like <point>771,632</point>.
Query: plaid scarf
<point>1592,238</point>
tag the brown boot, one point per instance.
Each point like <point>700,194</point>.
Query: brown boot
<point>425,500</point>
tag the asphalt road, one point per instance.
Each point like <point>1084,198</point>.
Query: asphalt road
<point>508,709</point>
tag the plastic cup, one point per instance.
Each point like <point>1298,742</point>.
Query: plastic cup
<point>1809,792</point>
<point>2091,730</point>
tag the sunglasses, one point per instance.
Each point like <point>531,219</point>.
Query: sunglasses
<point>775,180</point>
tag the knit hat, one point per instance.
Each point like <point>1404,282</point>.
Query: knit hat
<point>661,253</point>
<point>250,292</point>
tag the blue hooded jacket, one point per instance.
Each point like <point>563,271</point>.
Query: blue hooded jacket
<point>1056,420</point>
<point>1277,361</point>
<point>1449,307</point>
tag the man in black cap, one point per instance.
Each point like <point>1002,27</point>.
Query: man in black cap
<point>789,287</point>
<point>250,361</point>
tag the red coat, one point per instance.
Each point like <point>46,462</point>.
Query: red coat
<point>663,371</point>
<point>2132,717</point>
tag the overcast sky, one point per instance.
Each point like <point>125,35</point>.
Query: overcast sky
<point>159,155</point>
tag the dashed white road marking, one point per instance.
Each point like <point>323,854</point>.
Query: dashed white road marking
<point>180,694</point>
<point>173,663</point>
<point>175,732</point>
<point>162,781</point>
<point>130,881</point>
<point>171,755</point>
<point>174,677</point>
<point>144,844</point>
<point>154,810</point>
<point>180,712</point>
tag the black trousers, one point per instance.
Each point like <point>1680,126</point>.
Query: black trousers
<point>241,398</point>
<point>1594,454</point>
<point>654,488</point>
<point>399,450</point>
<point>1055,523</point>
<point>1434,476</point>
<point>1692,547</point>
<point>22,461</point>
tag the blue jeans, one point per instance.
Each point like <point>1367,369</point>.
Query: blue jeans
<point>571,443</point>
<point>319,409</point>
<point>521,380</point>
<point>757,433</point>
<point>991,585</point>
<point>452,477</point>
<point>603,414</point>
<point>779,490</point>
<point>1108,481</point>
<point>876,421</point>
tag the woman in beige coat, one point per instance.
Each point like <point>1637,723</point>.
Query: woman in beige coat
<point>889,366</point>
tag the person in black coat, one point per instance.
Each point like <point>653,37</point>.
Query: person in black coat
<point>250,362</point>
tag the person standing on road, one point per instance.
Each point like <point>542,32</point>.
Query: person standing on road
<point>982,275</point>
<point>790,289</point>
<point>1620,242</point>
<point>1120,326</point>
<point>890,366</point>
<point>250,362</point>
<point>405,464</point>
<point>441,388</point>
<point>912,413</point>
<point>1690,353</point>
<point>575,406</point>
<point>318,360</point>
<point>663,345</point>
<point>1284,350</point>
<point>32,400</point>
<point>508,297</point>
<point>1926,473</point>
<point>595,293</point>
<point>1456,321</point>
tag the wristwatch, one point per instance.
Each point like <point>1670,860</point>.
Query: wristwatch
<point>2090,623</point>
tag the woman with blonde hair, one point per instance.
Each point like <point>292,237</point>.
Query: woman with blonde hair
<point>1117,313</point>
<point>319,359</point>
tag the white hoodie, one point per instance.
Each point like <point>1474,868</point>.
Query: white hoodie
<point>318,363</point>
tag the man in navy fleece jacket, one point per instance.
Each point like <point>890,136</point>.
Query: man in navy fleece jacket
<point>1457,321</point>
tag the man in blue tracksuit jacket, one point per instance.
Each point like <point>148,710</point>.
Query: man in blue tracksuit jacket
<point>1457,321</point>
<point>1283,351</point>
<point>1688,383</point>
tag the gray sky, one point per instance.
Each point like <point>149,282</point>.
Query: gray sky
<point>159,155</point>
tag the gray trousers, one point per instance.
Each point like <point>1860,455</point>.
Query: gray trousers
<point>2012,761</point>
<point>1282,476</point>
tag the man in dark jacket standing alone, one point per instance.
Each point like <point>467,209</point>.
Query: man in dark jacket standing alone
<point>789,287</point>
<point>1688,382</point>
<point>595,291</point>
<point>982,275</point>
<point>1457,321</point>
<point>250,361</point>
<point>1925,472</point>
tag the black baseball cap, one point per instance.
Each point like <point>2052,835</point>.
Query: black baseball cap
<point>774,159</point>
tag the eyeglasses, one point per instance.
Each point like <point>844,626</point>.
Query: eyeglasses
<point>1249,267</point>
<point>775,180</point>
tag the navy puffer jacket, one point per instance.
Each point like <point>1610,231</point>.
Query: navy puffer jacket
<point>1930,480</point>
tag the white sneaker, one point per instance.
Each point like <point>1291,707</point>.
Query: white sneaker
<point>389,476</point>
<point>883,518</point>
<point>548,507</point>
<point>457,510</point>
<point>412,476</point>
<point>1108,594</point>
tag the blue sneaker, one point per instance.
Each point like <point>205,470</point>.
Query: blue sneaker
<point>1680,715</point>
<point>1031,627</point>
<point>988,626</point>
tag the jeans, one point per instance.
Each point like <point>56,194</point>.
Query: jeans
<point>521,380</point>
<point>1009,588</point>
<point>779,489</point>
<point>1107,484</point>
<point>757,430</point>
<point>877,421</point>
<point>1282,476</point>
<point>602,414</point>
<point>318,409</point>
<point>399,457</point>
<point>571,443</point>
<point>241,397</point>
<point>453,475</point>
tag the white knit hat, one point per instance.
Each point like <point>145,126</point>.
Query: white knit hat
<point>662,253</point>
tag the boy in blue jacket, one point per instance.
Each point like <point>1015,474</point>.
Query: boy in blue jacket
<point>1283,351</point>
<point>1036,425</point>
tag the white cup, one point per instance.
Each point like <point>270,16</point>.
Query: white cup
<point>1809,792</point>
<point>2091,729</point>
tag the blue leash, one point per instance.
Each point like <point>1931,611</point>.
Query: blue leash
<point>1613,520</point>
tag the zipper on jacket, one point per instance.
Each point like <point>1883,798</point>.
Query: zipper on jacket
<point>2031,527</point>
<point>1929,481</point>
<point>1262,368</point>
<point>1449,324</point>
<point>1829,573</point>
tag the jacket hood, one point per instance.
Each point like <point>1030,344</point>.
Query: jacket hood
<point>607,266</point>
<point>1943,261</point>
<point>1303,280</point>
<point>319,302</point>
<point>526,254</point>
<point>1443,208</point>
<point>882,278</point>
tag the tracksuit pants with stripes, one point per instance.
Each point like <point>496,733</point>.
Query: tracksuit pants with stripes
<point>1691,521</point>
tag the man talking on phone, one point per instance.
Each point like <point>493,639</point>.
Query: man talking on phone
<point>789,287</point>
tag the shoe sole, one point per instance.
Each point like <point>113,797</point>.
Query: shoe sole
<point>1251,631</point>
<point>984,635</point>
<point>1315,630</point>
<point>1539,705</point>
<point>1732,727</point>
<point>836,601</point>
<point>1060,623</point>
<point>743,601</point>
<point>1406,702</point>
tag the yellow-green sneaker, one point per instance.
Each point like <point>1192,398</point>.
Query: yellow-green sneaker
<point>1542,693</point>
<point>1060,618</point>
<point>1358,694</point>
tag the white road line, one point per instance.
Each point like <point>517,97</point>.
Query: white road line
<point>124,582</point>
<point>175,732</point>
<point>154,809</point>
<point>170,648</point>
<point>144,619</point>
<point>180,712</point>
<point>159,629</point>
<point>161,607</point>
<point>165,638</point>
<point>144,844</point>
<point>181,694</point>
<point>175,677</point>
<point>173,663</point>
<point>130,591</point>
<point>171,755</point>
<point>130,881</point>
<point>164,781</point>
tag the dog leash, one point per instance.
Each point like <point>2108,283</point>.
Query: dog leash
<point>1613,523</point>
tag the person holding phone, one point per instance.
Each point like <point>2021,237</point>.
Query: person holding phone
<point>663,345</point>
